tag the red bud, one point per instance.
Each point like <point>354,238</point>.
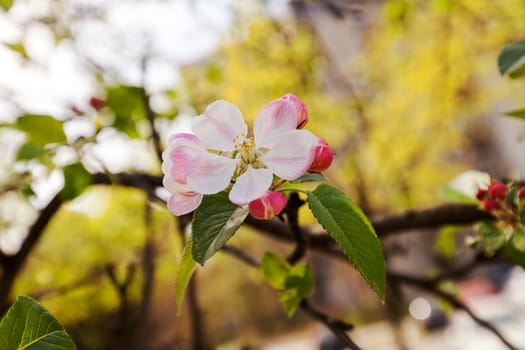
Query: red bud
<point>269,205</point>
<point>481,194</point>
<point>497,190</point>
<point>323,157</point>
<point>490,205</point>
<point>521,193</point>
<point>97,103</point>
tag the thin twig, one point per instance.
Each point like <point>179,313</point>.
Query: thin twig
<point>431,286</point>
<point>241,255</point>
<point>337,327</point>
<point>150,115</point>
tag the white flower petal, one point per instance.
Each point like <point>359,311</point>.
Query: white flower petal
<point>221,126</point>
<point>210,173</point>
<point>291,154</point>
<point>173,186</point>
<point>275,118</point>
<point>182,203</point>
<point>251,185</point>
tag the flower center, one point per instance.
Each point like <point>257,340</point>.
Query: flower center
<point>247,151</point>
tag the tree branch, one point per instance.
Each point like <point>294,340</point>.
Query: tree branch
<point>292,214</point>
<point>150,115</point>
<point>338,327</point>
<point>431,286</point>
<point>448,214</point>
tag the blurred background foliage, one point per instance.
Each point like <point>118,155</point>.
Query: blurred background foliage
<point>404,113</point>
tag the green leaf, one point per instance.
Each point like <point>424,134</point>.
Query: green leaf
<point>492,238</point>
<point>518,239</point>
<point>6,4</point>
<point>215,221</point>
<point>299,284</point>
<point>511,60</point>
<point>275,269</point>
<point>310,177</point>
<point>518,113</point>
<point>127,103</point>
<point>455,196</point>
<point>76,180</point>
<point>41,129</point>
<point>522,215</point>
<point>30,151</point>
<point>27,325</point>
<point>186,269</point>
<point>514,255</point>
<point>294,283</point>
<point>18,47</point>
<point>352,231</point>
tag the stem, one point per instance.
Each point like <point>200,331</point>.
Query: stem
<point>292,213</point>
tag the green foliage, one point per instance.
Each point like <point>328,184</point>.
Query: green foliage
<point>455,196</point>
<point>214,223</point>
<point>27,325</point>
<point>352,231</point>
<point>186,268</point>
<point>76,180</point>
<point>127,104</point>
<point>491,237</point>
<point>518,239</point>
<point>30,151</point>
<point>310,177</point>
<point>6,4</point>
<point>41,130</point>
<point>446,241</point>
<point>515,255</point>
<point>518,113</point>
<point>17,47</point>
<point>511,60</point>
<point>294,283</point>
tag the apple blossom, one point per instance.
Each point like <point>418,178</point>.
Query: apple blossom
<point>269,205</point>
<point>220,154</point>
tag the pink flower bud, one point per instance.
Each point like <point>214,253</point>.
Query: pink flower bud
<point>97,103</point>
<point>481,194</point>
<point>302,112</point>
<point>521,193</point>
<point>323,157</point>
<point>490,205</point>
<point>498,190</point>
<point>269,205</point>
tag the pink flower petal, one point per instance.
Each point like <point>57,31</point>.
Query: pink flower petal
<point>291,154</point>
<point>221,126</point>
<point>177,159</point>
<point>184,203</point>
<point>275,118</point>
<point>251,185</point>
<point>302,112</point>
<point>210,173</point>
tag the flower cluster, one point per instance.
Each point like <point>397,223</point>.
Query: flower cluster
<point>501,200</point>
<point>222,155</point>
